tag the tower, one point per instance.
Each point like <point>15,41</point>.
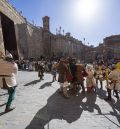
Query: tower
<point>46,36</point>
<point>46,23</point>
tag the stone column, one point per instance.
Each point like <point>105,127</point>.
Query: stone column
<point>1,38</point>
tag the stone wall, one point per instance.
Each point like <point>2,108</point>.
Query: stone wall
<point>35,41</point>
<point>11,13</point>
<point>63,45</point>
<point>28,37</point>
<point>1,38</point>
<point>22,41</point>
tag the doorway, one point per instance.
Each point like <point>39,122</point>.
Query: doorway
<point>9,37</point>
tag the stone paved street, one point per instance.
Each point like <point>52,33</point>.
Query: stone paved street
<point>39,105</point>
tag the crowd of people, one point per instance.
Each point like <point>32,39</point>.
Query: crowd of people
<point>72,76</point>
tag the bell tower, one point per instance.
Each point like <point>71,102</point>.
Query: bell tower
<point>46,23</point>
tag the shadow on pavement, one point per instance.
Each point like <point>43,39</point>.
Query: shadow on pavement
<point>114,105</point>
<point>2,113</point>
<point>32,83</point>
<point>58,107</point>
<point>101,93</point>
<point>4,94</point>
<point>2,104</point>
<point>90,105</point>
<point>47,84</point>
<point>116,108</point>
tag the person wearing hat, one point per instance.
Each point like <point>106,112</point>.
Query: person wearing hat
<point>8,72</point>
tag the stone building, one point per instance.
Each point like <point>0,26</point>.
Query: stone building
<point>66,45</point>
<point>109,50</point>
<point>25,40</point>
<point>17,35</point>
<point>11,24</point>
<point>112,47</point>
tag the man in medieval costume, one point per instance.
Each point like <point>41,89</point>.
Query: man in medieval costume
<point>80,74</point>
<point>114,82</point>
<point>99,74</point>
<point>62,78</point>
<point>40,70</point>
<point>8,72</point>
<point>72,66</point>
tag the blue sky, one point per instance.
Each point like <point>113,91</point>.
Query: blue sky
<point>89,19</point>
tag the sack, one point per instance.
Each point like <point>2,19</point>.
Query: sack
<point>5,86</point>
<point>69,77</point>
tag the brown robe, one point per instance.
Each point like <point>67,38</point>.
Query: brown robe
<point>62,70</point>
<point>80,72</point>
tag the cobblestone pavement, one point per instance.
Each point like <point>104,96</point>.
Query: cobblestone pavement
<point>39,105</point>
